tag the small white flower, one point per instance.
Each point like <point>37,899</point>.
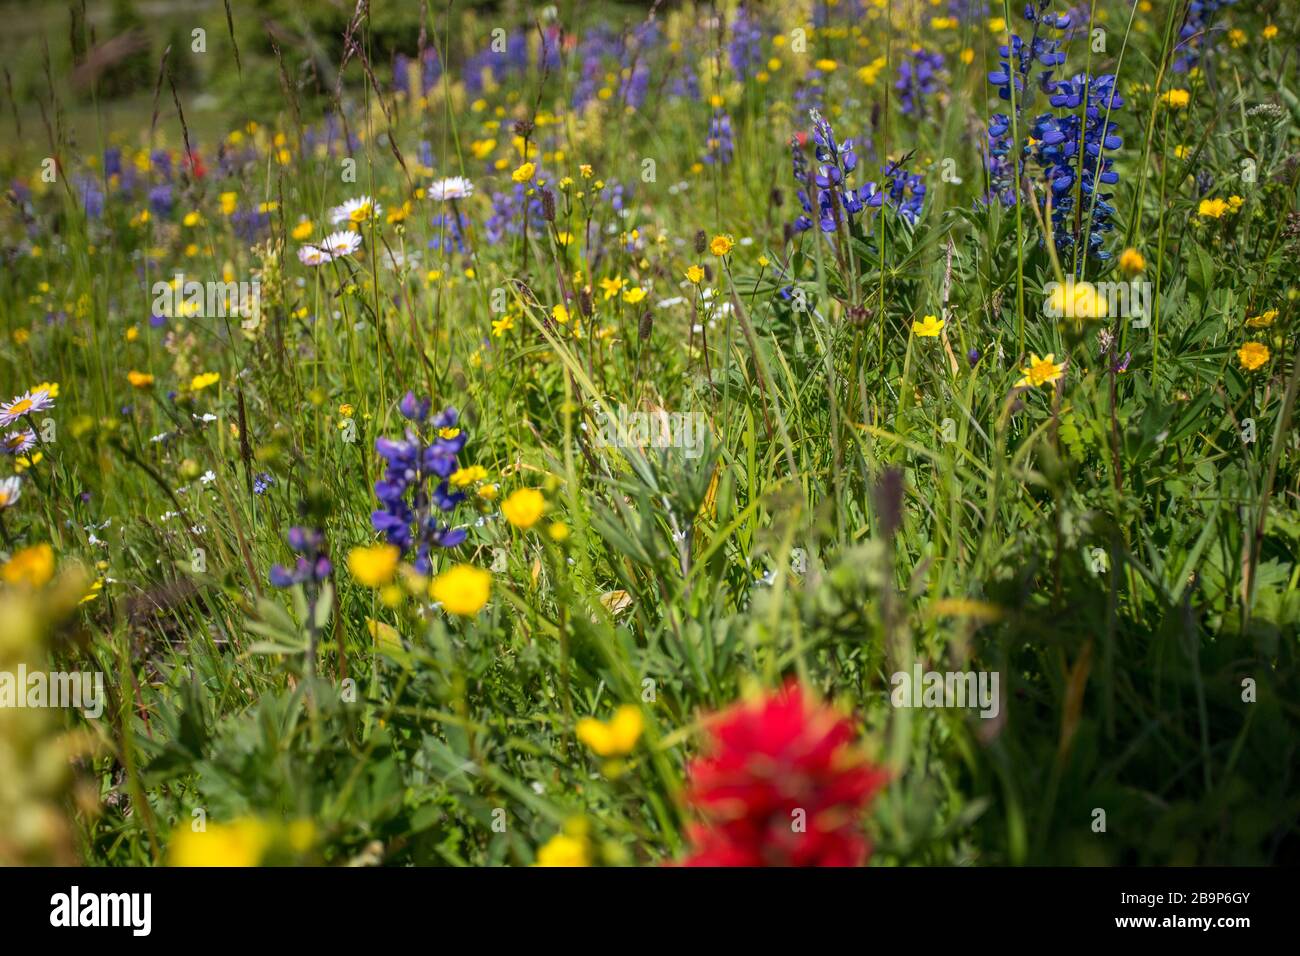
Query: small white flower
<point>361,209</point>
<point>28,403</point>
<point>456,187</point>
<point>208,477</point>
<point>669,303</point>
<point>340,244</point>
<point>11,489</point>
<point>312,256</point>
<point>18,442</point>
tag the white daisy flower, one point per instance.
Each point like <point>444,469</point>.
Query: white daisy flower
<point>340,244</point>
<point>456,187</point>
<point>18,442</point>
<point>361,209</point>
<point>28,403</point>
<point>208,477</point>
<point>11,489</point>
<point>311,256</point>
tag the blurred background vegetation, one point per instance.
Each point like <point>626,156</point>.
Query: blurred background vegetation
<point>101,58</point>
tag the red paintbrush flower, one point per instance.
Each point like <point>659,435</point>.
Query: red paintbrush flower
<point>781,785</point>
<point>194,163</point>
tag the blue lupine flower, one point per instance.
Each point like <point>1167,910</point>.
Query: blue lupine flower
<point>313,562</point>
<point>836,200</point>
<point>449,230</point>
<point>507,216</point>
<point>414,492</point>
<point>745,51</point>
<point>1196,32</point>
<point>498,64</point>
<point>918,78</point>
<point>160,200</point>
<point>906,192</point>
<point>719,146</point>
<point>804,221</point>
<point>1060,141</point>
<point>1070,144</point>
<point>1019,57</point>
<point>92,197</point>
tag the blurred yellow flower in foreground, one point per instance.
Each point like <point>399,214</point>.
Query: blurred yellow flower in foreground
<point>616,738</point>
<point>1132,262</point>
<point>462,590</point>
<point>524,507</point>
<point>32,566</point>
<point>564,850</point>
<point>374,566</point>
<point>246,841</point>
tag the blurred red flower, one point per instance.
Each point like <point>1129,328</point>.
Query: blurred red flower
<point>782,784</point>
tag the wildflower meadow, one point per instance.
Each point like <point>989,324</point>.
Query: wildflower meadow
<point>820,433</point>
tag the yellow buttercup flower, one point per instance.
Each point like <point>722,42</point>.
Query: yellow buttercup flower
<point>721,245</point>
<point>634,295</point>
<point>564,850</point>
<point>139,379</point>
<point>570,847</point>
<point>1252,355</point>
<point>618,737</point>
<point>560,313</point>
<point>462,590</point>
<point>1263,320</point>
<point>32,566</point>
<point>464,477</point>
<point>1041,371</point>
<point>1176,99</point>
<point>374,566</point>
<point>1077,300</point>
<point>200,382</point>
<point>695,274</point>
<point>524,507</point>
<point>1131,261</point>
<point>928,328</point>
<point>524,173</point>
<point>1212,209</point>
<point>244,842</point>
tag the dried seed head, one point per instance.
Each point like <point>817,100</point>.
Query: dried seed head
<point>646,325</point>
<point>548,205</point>
<point>701,242</point>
